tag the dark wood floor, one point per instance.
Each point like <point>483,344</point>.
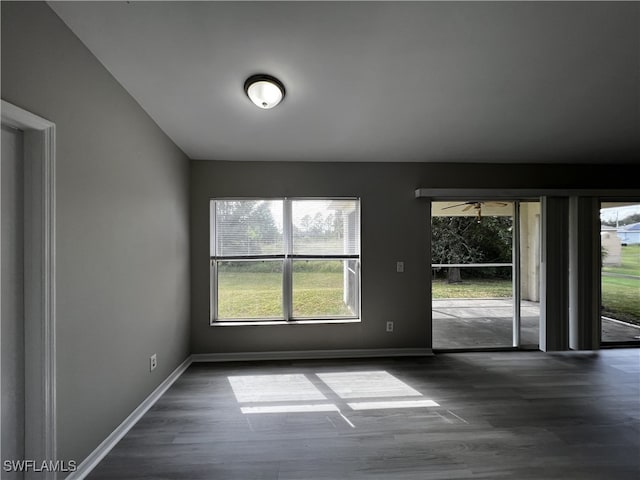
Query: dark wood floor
<point>499,415</point>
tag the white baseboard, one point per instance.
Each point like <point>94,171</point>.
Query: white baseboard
<point>312,354</point>
<point>105,447</point>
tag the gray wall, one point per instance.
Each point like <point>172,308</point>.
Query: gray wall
<point>395,227</point>
<point>122,228</point>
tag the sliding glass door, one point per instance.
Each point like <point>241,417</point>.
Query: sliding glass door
<point>485,274</point>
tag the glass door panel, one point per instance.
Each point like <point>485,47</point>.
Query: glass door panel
<point>620,277</point>
<point>472,274</point>
<point>529,275</point>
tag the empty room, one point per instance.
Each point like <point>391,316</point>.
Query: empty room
<point>320,240</point>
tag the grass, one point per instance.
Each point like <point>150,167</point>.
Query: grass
<point>318,293</point>
<point>621,295</point>
<point>259,295</point>
<point>473,288</point>
<point>244,302</point>
<point>630,262</point>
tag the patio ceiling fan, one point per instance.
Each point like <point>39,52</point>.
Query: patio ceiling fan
<point>477,206</point>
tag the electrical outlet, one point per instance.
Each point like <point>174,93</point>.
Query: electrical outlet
<point>400,267</point>
<point>153,362</point>
<point>389,326</point>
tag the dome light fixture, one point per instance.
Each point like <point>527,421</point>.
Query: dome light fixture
<point>264,91</point>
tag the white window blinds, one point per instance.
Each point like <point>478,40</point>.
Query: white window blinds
<point>325,227</point>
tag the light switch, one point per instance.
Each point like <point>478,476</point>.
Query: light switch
<point>400,267</point>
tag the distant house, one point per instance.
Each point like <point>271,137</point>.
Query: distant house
<point>612,246</point>
<point>629,234</point>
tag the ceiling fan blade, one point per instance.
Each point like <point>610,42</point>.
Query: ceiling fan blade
<point>468,207</point>
<point>454,206</point>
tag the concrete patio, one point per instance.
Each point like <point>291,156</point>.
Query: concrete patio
<point>475,323</point>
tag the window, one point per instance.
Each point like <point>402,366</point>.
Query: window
<point>285,259</point>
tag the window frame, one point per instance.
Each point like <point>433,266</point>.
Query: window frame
<point>287,259</point>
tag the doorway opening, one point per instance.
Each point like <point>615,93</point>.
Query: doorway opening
<point>485,274</point>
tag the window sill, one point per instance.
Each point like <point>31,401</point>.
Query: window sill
<point>245,323</point>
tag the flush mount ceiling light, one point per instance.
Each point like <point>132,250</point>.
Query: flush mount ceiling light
<point>264,90</point>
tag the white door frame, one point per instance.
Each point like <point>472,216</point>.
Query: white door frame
<point>39,274</point>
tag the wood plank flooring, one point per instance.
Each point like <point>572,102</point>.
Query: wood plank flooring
<point>497,415</point>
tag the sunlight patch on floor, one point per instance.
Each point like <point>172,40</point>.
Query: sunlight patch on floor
<point>323,407</point>
<point>296,393</point>
<point>392,404</point>
<point>373,384</point>
<point>274,388</point>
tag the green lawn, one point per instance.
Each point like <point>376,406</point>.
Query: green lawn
<point>259,294</point>
<point>630,264</point>
<point>621,295</point>
<point>318,293</point>
<point>474,288</point>
<point>236,298</point>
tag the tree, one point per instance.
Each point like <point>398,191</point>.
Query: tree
<point>317,226</point>
<point>620,222</point>
<point>263,223</point>
<point>465,240</point>
<point>245,227</point>
<point>633,218</point>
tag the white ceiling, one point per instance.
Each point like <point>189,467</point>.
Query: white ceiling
<point>380,81</point>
